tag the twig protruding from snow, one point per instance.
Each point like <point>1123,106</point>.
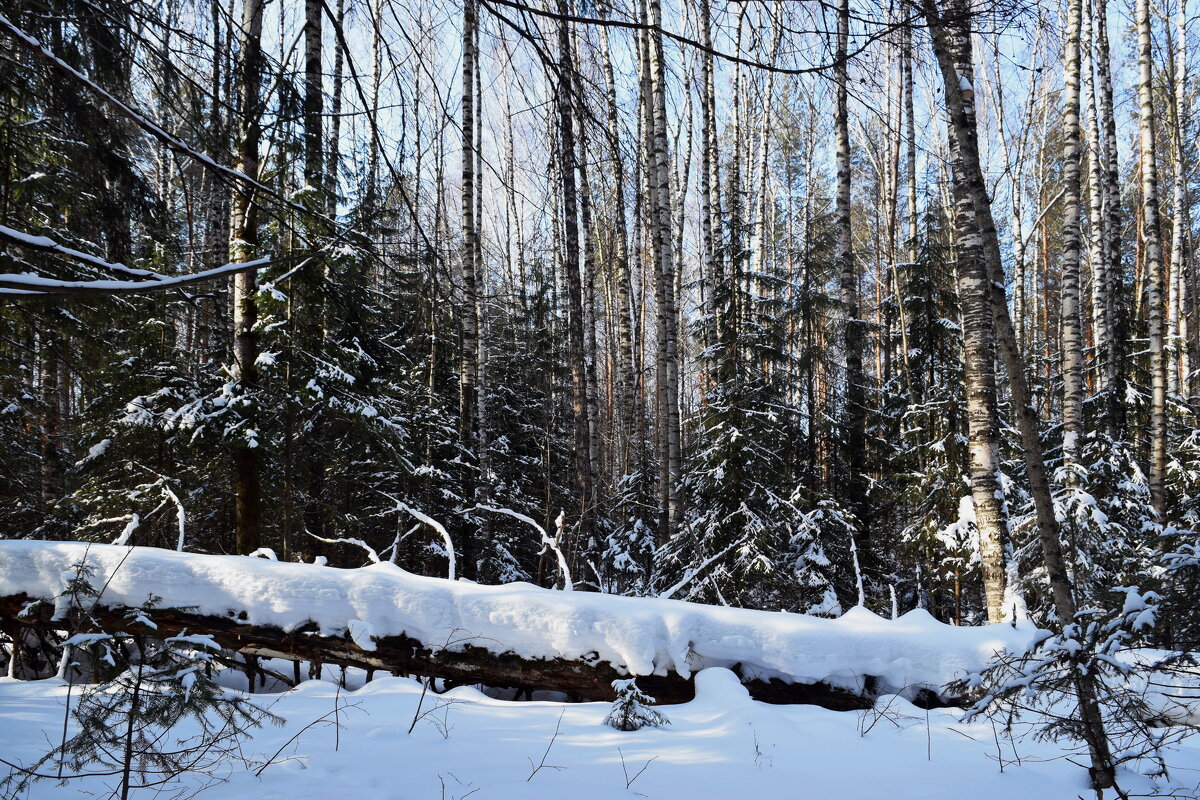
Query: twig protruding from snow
<point>452,566</point>
<point>547,542</point>
<point>543,765</point>
<point>695,572</point>
<point>371,554</point>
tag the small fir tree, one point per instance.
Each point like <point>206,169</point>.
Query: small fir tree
<point>128,723</point>
<point>631,711</point>
<point>1106,644</point>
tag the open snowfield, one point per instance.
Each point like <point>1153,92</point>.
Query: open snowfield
<point>720,745</point>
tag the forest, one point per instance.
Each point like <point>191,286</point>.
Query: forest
<point>814,307</point>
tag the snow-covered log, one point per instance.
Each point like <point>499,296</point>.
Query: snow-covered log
<point>517,635</point>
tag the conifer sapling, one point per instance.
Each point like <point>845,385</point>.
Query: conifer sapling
<point>631,711</point>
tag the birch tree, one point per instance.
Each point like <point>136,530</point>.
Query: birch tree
<point>565,78</point>
<point>665,266</point>
<point>243,242</point>
<point>1151,233</point>
<point>1179,361</point>
<point>469,260</point>
<point>950,31</point>
<point>855,436</point>
<point>1072,317</point>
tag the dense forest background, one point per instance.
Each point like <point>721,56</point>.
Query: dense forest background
<point>772,304</point>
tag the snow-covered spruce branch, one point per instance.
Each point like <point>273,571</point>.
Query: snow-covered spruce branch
<point>698,570</point>
<point>1097,645</point>
<point>1186,555</point>
<point>631,709</point>
<point>547,541</point>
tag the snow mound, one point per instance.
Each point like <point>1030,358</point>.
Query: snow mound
<point>638,636</point>
<point>719,685</point>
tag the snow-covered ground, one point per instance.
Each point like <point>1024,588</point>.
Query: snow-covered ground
<point>465,743</point>
<point>720,745</point>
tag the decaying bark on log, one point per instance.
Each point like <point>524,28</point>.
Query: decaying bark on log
<point>462,664</point>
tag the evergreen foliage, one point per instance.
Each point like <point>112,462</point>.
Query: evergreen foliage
<point>151,712</point>
<point>631,710</point>
<point>1104,644</point>
<point>121,415</point>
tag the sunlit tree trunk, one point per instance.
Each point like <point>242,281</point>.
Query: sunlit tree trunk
<point>627,410</point>
<point>1097,221</point>
<point>584,477</point>
<point>978,326</point>
<point>855,431</point>
<point>1114,357</point>
<point>1152,236</point>
<point>710,176</point>
<point>1178,365</point>
<point>313,94</point>
<point>664,285</point>
<point>1072,317</point>
<point>468,379</point>
<point>243,244</point>
<point>952,48</point>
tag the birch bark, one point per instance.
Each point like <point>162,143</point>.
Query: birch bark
<point>243,242</point>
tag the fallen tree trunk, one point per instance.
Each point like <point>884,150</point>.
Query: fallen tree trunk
<point>21,615</point>
<point>382,618</point>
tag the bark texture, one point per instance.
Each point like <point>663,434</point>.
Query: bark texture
<point>1072,318</point>
<point>1152,235</point>
<point>950,31</point>
<point>243,242</point>
<point>855,432</point>
<point>664,274</point>
<point>468,377</point>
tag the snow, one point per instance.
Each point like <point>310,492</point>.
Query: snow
<point>361,632</point>
<point>640,636</point>
<point>720,745</point>
<point>547,543</point>
<point>23,283</point>
<point>81,639</point>
<point>1137,604</point>
<point>95,451</point>
<point>128,530</point>
<point>46,243</point>
<point>203,641</point>
<point>139,617</point>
